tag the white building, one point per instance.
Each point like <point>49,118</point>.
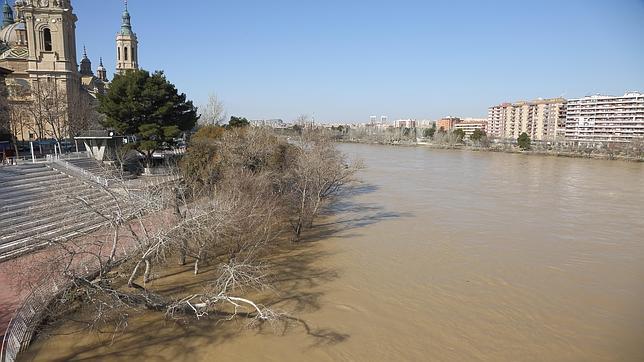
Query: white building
<point>606,119</point>
<point>405,123</point>
<point>273,123</point>
<point>469,125</point>
<point>425,123</point>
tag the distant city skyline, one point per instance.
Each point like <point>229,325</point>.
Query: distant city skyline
<point>340,61</point>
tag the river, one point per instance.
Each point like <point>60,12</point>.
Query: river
<point>448,256</point>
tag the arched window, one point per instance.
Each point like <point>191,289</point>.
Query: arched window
<point>125,49</point>
<point>119,51</point>
<point>46,35</point>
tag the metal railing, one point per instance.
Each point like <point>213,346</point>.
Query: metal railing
<point>22,326</point>
<point>30,314</point>
<point>80,171</point>
<point>13,161</point>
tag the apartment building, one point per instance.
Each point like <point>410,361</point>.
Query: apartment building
<point>606,119</point>
<point>541,119</point>
<point>405,123</point>
<point>496,117</point>
<point>447,124</point>
<point>469,125</point>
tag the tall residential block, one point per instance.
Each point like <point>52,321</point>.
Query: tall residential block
<point>541,119</point>
<point>605,119</point>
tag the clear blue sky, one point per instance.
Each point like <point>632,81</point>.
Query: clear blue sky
<point>347,60</point>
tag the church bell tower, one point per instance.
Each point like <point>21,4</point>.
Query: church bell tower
<point>51,32</point>
<point>127,45</point>
<point>50,28</point>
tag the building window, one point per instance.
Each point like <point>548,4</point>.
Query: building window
<point>47,39</point>
<point>119,51</point>
<point>125,53</point>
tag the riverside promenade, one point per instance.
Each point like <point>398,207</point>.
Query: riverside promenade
<point>36,274</point>
<point>37,271</point>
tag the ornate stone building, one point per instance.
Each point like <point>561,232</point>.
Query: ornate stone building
<point>127,45</point>
<point>38,45</point>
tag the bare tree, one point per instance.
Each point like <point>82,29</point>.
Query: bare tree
<point>16,121</point>
<point>226,232</point>
<point>214,112</point>
<point>47,109</point>
<point>230,230</point>
<point>83,114</point>
<point>318,174</point>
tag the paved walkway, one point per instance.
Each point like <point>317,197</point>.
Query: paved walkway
<point>19,276</point>
<point>14,285</point>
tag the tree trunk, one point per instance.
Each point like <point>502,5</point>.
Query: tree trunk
<point>148,270</point>
<point>184,243</point>
<point>15,145</point>
<point>182,255</point>
<point>130,282</point>
<point>199,255</point>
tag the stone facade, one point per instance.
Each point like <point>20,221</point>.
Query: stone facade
<point>127,44</point>
<point>38,44</point>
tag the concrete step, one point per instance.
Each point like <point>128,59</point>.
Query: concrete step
<point>22,248</point>
<point>22,170</point>
<point>28,165</point>
<point>99,169</point>
<point>25,206</point>
<point>32,183</point>
<point>20,179</point>
<point>38,231</point>
<point>52,214</point>
<point>18,247</point>
<point>25,168</point>
<point>38,193</point>
<point>53,186</point>
<point>15,217</point>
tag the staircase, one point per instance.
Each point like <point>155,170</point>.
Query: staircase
<point>39,204</point>
<point>102,170</point>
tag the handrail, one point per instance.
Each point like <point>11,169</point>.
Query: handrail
<point>28,316</point>
<point>95,178</point>
<point>24,321</point>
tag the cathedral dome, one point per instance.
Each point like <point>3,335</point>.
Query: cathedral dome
<point>9,34</point>
<point>86,64</point>
<point>7,15</point>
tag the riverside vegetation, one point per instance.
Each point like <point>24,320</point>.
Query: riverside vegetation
<point>479,141</point>
<point>243,194</point>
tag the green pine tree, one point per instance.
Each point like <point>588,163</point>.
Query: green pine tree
<point>149,106</point>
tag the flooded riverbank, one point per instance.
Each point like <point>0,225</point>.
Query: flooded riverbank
<point>441,255</point>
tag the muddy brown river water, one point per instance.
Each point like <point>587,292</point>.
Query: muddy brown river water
<point>443,256</point>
